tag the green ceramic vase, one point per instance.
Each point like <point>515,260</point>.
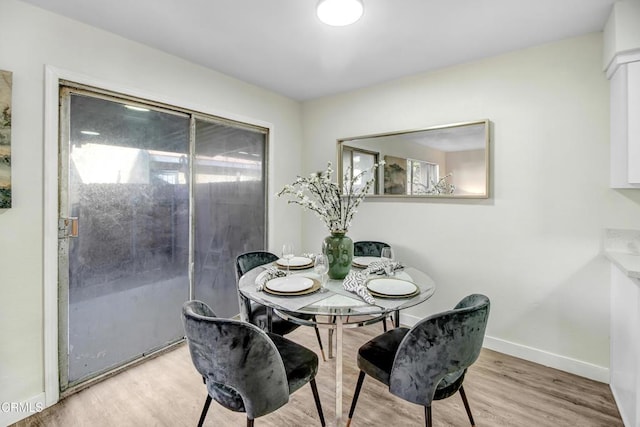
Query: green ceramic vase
<point>339,250</point>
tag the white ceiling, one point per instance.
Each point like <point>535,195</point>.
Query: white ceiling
<point>282,46</point>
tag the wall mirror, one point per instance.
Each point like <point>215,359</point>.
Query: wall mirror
<point>440,161</point>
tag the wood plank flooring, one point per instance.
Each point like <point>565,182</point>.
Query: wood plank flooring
<point>502,391</point>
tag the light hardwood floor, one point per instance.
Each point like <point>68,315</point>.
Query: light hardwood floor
<point>502,391</point>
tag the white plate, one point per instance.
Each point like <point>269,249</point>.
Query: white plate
<point>364,261</point>
<point>389,286</point>
<point>296,261</point>
<point>290,284</point>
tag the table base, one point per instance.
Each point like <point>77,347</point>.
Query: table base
<point>335,323</point>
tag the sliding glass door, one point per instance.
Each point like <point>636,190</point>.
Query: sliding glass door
<point>230,207</point>
<point>147,191</point>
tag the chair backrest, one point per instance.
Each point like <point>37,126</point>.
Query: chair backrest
<point>244,263</point>
<point>441,344</point>
<point>237,355</point>
<point>368,248</point>
<point>251,260</point>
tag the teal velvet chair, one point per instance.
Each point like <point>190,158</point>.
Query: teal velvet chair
<point>257,313</point>
<point>373,249</point>
<point>244,368</point>
<point>429,361</point>
<point>368,248</point>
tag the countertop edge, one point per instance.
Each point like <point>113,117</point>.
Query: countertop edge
<point>628,263</point>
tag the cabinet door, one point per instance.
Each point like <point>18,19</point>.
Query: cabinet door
<point>625,328</point>
<point>633,121</point>
<point>625,127</point>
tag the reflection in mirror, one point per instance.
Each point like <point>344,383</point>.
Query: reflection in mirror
<point>441,161</point>
<point>358,162</point>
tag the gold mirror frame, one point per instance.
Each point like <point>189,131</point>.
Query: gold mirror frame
<point>446,161</point>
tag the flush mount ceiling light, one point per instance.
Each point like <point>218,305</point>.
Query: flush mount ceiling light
<point>339,13</point>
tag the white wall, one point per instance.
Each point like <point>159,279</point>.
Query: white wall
<point>32,38</point>
<point>534,247</point>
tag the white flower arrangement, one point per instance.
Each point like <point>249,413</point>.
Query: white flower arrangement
<point>440,187</point>
<point>319,194</point>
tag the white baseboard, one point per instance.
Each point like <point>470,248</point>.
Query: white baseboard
<point>12,412</point>
<point>556,361</point>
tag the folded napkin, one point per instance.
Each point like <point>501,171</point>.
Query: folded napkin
<point>354,282</point>
<point>270,273</point>
<point>376,267</point>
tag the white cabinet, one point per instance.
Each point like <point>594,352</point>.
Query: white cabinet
<point>621,61</point>
<point>625,126</point>
<point>625,352</point>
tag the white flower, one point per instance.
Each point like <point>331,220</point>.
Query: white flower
<point>320,195</point>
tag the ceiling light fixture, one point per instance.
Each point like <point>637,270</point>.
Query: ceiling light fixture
<point>339,13</point>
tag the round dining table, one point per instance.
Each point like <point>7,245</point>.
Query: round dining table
<point>335,308</point>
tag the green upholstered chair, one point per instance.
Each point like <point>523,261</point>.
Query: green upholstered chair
<point>257,313</point>
<point>368,248</point>
<point>244,368</point>
<point>427,362</point>
<point>374,249</point>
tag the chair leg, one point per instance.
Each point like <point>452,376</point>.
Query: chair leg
<point>316,397</point>
<point>249,422</point>
<point>384,323</point>
<point>466,405</point>
<point>427,416</point>
<point>355,396</point>
<point>324,359</point>
<point>204,410</point>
